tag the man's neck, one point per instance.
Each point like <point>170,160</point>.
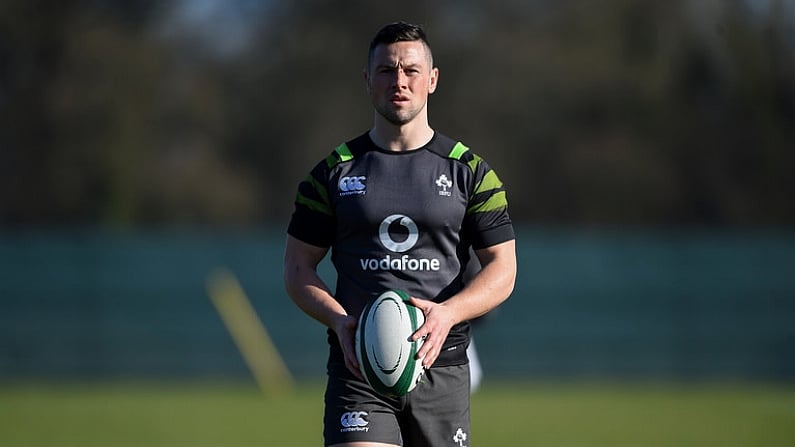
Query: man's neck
<point>405,137</point>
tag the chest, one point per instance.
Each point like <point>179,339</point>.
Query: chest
<point>432,191</point>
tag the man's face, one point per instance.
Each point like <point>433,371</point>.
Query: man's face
<point>399,79</point>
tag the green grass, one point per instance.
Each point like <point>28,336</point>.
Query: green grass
<point>507,414</point>
<point>153,415</point>
<point>614,415</point>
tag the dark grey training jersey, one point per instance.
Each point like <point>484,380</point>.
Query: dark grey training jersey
<point>402,220</point>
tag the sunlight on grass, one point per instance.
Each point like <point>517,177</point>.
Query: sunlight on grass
<point>504,414</point>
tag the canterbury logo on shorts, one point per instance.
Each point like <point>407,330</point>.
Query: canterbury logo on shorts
<point>354,421</point>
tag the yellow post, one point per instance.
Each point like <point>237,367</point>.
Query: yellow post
<point>249,334</point>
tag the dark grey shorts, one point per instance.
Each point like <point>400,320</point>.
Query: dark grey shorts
<point>435,413</point>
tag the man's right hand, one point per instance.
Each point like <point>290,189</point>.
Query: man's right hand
<point>345,328</point>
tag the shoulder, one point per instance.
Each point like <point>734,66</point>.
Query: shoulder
<point>452,149</point>
<point>348,151</point>
<point>446,147</point>
<point>488,192</point>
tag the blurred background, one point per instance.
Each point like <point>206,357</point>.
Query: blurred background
<point>647,148</point>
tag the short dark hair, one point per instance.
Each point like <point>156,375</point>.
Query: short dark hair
<point>399,32</point>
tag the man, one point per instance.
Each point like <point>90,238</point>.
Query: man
<point>400,191</point>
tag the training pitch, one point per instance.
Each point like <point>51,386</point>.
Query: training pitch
<point>512,413</point>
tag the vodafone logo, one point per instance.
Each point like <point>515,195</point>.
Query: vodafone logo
<point>401,245</point>
<point>386,238</point>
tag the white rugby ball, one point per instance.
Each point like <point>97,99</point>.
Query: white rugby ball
<point>386,354</point>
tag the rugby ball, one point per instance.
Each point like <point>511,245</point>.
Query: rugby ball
<point>386,354</point>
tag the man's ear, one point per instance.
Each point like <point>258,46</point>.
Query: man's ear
<point>434,80</point>
<point>366,77</point>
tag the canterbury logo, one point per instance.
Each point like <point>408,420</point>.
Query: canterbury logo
<point>352,185</point>
<point>353,419</point>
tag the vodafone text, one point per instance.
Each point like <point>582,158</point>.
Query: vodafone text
<point>400,263</point>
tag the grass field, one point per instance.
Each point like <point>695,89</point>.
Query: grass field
<point>505,414</point>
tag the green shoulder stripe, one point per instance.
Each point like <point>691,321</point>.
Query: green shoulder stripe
<point>474,161</point>
<point>313,205</point>
<point>320,189</point>
<point>344,151</point>
<point>489,182</point>
<point>313,195</point>
<point>458,150</point>
<point>341,154</point>
<point>496,202</point>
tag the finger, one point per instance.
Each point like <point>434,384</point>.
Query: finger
<point>356,373</point>
<point>354,370</point>
<point>427,362</point>
<point>352,363</point>
<point>428,346</point>
<point>423,305</point>
<point>430,357</point>
<point>419,334</point>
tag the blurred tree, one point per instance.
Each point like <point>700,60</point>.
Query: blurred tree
<point>621,112</point>
<point>31,50</point>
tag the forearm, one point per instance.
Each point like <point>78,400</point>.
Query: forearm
<point>312,295</point>
<point>305,287</point>
<point>490,287</point>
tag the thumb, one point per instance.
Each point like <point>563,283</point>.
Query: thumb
<point>419,303</point>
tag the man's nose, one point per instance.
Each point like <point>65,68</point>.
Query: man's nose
<point>400,78</point>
